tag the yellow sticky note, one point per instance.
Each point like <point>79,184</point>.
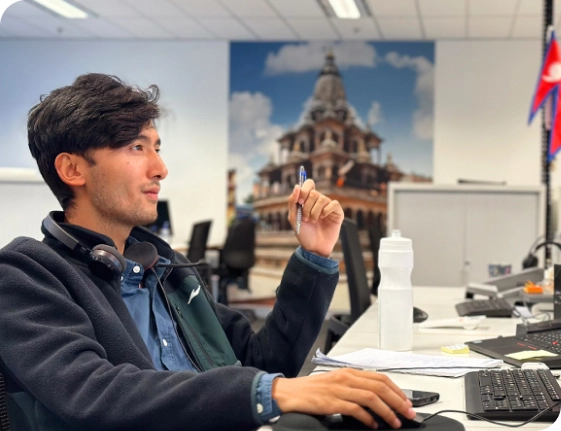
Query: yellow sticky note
<point>530,354</point>
<point>455,349</point>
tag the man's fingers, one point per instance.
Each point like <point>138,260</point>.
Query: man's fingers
<point>359,413</point>
<point>321,201</point>
<point>306,188</point>
<point>332,208</point>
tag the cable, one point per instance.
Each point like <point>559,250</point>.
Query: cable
<point>532,419</point>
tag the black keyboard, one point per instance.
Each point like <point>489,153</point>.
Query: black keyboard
<point>513,394</point>
<point>550,340</point>
<point>497,307</point>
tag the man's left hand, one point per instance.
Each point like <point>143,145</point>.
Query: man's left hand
<point>321,219</point>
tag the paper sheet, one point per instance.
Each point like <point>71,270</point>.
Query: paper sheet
<point>411,363</point>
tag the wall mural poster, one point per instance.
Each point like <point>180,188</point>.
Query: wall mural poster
<point>355,114</point>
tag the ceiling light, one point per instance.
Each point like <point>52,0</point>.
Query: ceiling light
<point>345,9</point>
<point>63,8</point>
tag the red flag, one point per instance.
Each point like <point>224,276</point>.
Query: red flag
<point>548,86</point>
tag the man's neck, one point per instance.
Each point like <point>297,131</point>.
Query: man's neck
<point>118,233</point>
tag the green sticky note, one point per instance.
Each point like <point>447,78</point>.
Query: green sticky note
<point>530,354</point>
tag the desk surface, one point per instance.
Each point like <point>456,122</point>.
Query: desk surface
<point>439,304</point>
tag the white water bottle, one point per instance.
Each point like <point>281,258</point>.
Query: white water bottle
<point>395,293</point>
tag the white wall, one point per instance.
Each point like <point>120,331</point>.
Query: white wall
<point>483,91</point>
<point>193,78</point>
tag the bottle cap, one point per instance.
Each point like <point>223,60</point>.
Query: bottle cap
<point>396,242</point>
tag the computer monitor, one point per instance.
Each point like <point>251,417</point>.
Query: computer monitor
<point>163,216</point>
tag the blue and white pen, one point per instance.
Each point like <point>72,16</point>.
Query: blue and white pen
<point>299,207</point>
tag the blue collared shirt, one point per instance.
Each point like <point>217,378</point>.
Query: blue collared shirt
<point>149,311</point>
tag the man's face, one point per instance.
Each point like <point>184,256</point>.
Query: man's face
<point>123,184</point>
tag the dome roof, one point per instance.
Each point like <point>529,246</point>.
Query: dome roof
<point>329,90</point>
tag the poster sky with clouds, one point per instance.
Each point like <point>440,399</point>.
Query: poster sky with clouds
<point>390,86</point>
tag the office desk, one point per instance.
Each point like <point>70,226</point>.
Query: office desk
<point>439,304</point>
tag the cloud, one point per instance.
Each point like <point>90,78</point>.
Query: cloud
<point>252,136</point>
<point>375,114</point>
<point>4,5</point>
<point>423,120</point>
<point>310,57</point>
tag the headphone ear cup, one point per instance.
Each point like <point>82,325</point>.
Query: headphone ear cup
<point>530,261</point>
<point>106,262</point>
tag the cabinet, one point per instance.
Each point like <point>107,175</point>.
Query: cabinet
<point>457,231</point>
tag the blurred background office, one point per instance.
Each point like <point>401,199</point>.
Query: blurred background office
<point>471,96</point>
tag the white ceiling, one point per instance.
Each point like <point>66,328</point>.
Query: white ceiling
<point>284,20</point>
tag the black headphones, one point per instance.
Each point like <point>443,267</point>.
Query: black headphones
<point>105,261</point>
<point>531,260</point>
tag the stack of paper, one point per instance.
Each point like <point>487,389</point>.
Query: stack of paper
<point>398,362</point>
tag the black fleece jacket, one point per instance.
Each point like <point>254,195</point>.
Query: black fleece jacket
<point>74,360</point>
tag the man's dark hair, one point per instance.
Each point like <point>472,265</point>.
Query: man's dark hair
<point>96,111</point>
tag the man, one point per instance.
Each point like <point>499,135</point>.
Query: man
<point>91,339</point>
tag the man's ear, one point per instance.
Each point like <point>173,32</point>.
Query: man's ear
<point>71,169</point>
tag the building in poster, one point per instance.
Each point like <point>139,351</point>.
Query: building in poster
<point>342,157</point>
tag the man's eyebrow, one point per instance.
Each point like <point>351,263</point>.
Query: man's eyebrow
<point>146,138</point>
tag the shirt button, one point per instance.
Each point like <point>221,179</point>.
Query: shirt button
<point>165,343</point>
<point>136,269</point>
<point>259,408</point>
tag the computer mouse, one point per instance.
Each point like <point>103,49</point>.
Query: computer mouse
<point>419,315</point>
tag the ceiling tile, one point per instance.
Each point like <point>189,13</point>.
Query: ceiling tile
<point>100,27</point>
<point>393,8</point>
<point>249,8</point>
<point>362,29</point>
<point>442,7</point>
<point>142,28</point>
<point>445,28</point>
<point>492,7</point>
<point>20,28</point>
<point>489,27</point>
<point>225,28</point>
<point>203,9</point>
<point>184,28</point>
<point>313,29</point>
<point>159,8</point>
<point>530,7</point>
<point>297,8</point>
<point>270,28</point>
<point>110,8</point>
<point>22,8</point>
<point>400,28</point>
<point>58,27</point>
<point>527,27</point>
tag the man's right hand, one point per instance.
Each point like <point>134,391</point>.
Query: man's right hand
<point>345,391</point>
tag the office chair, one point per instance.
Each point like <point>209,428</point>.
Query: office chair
<point>359,293</point>
<point>197,247</point>
<point>199,238</point>
<point>4,422</point>
<point>375,235</point>
<point>236,257</point>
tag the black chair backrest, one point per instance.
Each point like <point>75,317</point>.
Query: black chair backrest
<point>239,248</point>
<point>375,236</point>
<point>359,292</point>
<point>199,238</point>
